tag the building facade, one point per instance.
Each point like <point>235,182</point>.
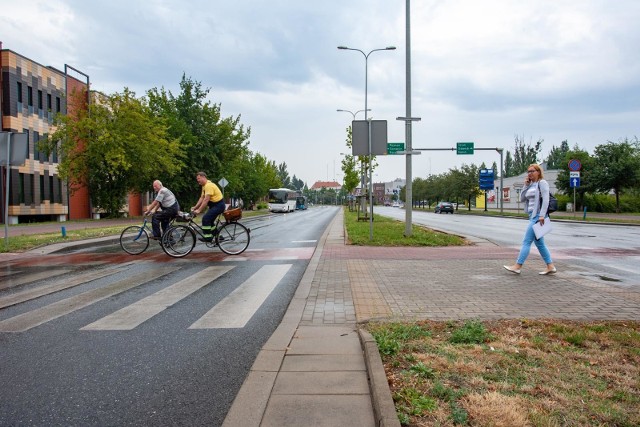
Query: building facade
<point>31,95</point>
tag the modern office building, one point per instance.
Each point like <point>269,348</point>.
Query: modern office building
<point>31,95</point>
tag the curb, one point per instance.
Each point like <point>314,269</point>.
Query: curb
<point>383,406</point>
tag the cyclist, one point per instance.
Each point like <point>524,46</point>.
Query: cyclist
<point>168,209</point>
<point>210,196</point>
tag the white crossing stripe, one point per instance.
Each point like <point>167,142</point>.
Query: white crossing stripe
<point>133,315</point>
<point>28,320</point>
<point>58,285</point>
<point>237,308</point>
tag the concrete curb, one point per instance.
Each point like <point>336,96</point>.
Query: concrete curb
<point>383,406</point>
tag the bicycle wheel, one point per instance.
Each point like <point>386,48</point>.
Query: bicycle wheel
<point>134,240</point>
<point>233,238</point>
<point>178,241</point>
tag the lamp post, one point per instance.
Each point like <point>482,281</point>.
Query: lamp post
<point>366,83</point>
<point>352,113</point>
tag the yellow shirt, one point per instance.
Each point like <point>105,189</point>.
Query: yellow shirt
<point>212,191</point>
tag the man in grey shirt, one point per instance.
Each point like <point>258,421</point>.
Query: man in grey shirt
<point>169,207</point>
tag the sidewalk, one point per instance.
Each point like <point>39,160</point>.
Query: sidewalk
<point>319,369</point>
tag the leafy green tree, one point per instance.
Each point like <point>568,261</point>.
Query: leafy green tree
<point>351,175</point>
<point>509,167</point>
<point>115,146</point>
<point>524,155</point>
<point>210,143</point>
<point>616,167</point>
<point>557,156</point>
<point>259,175</point>
<point>284,175</point>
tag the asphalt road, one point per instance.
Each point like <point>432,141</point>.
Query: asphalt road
<point>115,339</point>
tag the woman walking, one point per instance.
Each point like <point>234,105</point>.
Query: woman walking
<point>535,196</point>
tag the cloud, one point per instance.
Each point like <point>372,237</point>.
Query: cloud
<point>480,71</point>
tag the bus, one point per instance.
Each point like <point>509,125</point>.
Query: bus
<point>282,200</point>
<point>301,203</point>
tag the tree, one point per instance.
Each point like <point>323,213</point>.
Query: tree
<point>210,143</point>
<point>115,146</point>
<point>284,175</point>
<point>616,167</point>
<point>524,155</point>
<point>351,176</point>
<point>259,175</point>
<point>557,156</point>
<point>509,169</point>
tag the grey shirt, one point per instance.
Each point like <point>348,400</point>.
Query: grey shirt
<point>165,197</point>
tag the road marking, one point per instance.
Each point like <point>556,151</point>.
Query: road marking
<point>33,277</point>
<point>135,314</point>
<point>237,308</point>
<point>26,321</point>
<point>61,284</point>
<point>304,241</point>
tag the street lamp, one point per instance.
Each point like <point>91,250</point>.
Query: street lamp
<point>366,87</point>
<point>352,113</point>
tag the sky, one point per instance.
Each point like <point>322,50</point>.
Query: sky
<point>481,71</point>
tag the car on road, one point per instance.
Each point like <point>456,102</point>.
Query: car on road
<point>396,205</point>
<point>444,207</point>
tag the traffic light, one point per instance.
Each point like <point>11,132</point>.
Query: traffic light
<point>486,179</point>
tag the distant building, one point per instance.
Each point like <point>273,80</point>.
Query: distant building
<point>511,190</point>
<point>329,185</point>
<point>31,94</point>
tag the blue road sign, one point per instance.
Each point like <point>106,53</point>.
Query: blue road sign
<point>575,165</point>
<point>574,182</point>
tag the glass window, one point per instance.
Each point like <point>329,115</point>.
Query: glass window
<point>19,91</point>
<point>29,96</point>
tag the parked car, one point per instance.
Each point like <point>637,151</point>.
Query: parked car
<point>444,207</point>
<point>396,205</point>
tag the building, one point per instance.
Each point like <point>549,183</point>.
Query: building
<point>31,95</point>
<point>328,185</point>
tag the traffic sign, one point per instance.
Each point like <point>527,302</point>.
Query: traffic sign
<point>486,179</point>
<point>574,182</point>
<point>395,147</point>
<point>464,148</point>
<point>575,174</point>
<point>575,165</point>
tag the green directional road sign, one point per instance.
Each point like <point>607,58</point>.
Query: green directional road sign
<point>464,148</point>
<point>395,147</point>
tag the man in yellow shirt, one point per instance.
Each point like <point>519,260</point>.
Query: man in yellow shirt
<point>211,196</point>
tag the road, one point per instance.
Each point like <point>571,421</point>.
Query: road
<point>99,337</point>
<point>598,252</point>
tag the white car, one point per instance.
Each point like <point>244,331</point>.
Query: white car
<point>395,205</point>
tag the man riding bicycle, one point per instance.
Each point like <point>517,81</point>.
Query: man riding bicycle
<point>210,196</point>
<point>169,207</point>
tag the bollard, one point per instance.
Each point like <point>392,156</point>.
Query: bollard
<point>584,215</point>
<point>64,231</point>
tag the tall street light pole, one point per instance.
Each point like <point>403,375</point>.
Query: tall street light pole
<point>366,87</point>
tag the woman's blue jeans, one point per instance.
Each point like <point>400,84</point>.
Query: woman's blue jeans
<point>530,237</point>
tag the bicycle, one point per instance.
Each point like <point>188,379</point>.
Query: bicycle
<point>134,239</point>
<point>230,236</point>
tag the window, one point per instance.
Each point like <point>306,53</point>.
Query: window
<point>49,102</point>
<point>42,198</point>
<point>20,92</point>
<point>51,193</point>
<point>58,104</point>
<point>29,96</point>
<point>21,199</point>
<point>40,100</point>
<point>28,145</point>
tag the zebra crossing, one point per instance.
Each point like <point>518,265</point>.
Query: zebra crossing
<point>233,311</point>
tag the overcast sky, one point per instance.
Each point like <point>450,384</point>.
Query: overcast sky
<point>482,71</point>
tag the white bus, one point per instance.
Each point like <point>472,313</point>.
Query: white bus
<point>282,200</point>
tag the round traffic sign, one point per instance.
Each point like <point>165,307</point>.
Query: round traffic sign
<point>575,165</point>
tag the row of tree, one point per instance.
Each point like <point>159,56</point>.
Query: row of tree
<point>614,167</point>
<point>120,143</point>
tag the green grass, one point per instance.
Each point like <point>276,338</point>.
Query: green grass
<point>390,232</point>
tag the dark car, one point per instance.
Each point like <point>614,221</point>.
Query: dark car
<point>444,207</point>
